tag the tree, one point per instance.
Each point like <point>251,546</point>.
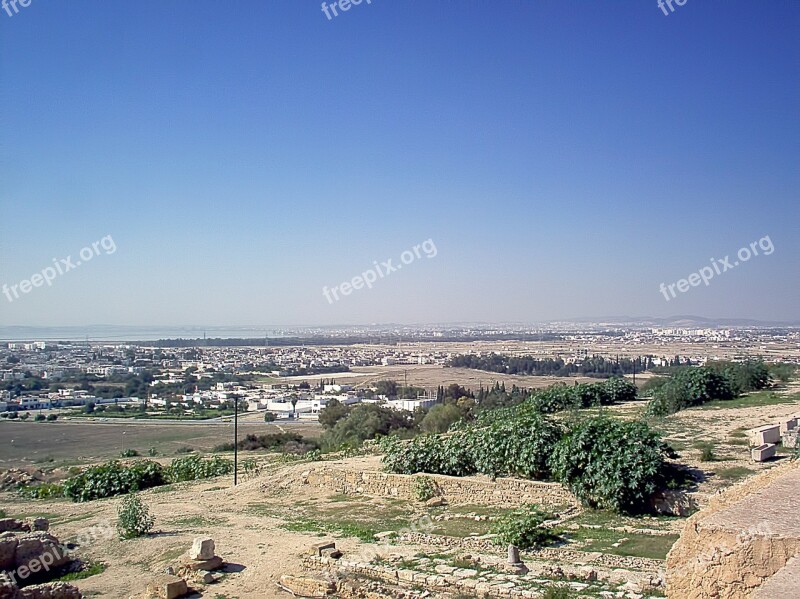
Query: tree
<point>332,413</point>
<point>439,418</point>
<point>89,408</point>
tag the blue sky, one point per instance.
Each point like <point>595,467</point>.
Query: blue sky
<point>565,157</point>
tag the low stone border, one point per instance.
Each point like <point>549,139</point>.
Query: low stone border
<point>548,553</point>
<point>503,492</point>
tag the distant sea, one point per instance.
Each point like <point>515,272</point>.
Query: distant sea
<point>100,333</point>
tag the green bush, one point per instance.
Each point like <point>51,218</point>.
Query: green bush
<point>42,491</point>
<point>112,478</point>
<point>516,446</point>
<point>425,488</point>
<point>611,464</point>
<point>523,528</point>
<point>40,418</point>
<point>52,417</point>
<point>689,387</point>
<point>196,468</point>
<point>435,454</point>
<point>134,519</point>
<point>129,453</point>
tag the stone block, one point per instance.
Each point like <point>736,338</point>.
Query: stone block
<point>764,452</point>
<point>215,563</point>
<point>40,524</point>
<point>789,439</point>
<point>202,548</point>
<point>303,586</point>
<point>167,587</point>
<point>787,424</point>
<point>318,548</point>
<point>762,435</point>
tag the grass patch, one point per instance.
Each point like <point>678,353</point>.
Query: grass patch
<point>758,398</point>
<point>734,473</point>
<point>628,544</point>
<point>345,529</point>
<point>196,521</point>
<point>89,569</point>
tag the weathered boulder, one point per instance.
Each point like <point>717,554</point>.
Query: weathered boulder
<point>51,590</point>
<point>40,524</point>
<point>202,549</point>
<point>42,548</point>
<point>215,563</point>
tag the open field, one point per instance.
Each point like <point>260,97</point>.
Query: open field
<point>69,442</point>
<point>431,376</point>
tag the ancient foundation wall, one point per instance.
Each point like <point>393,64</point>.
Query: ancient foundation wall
<point>745,536</point>
<point>505,492</point>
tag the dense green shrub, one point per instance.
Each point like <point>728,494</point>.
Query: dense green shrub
<point>425,488</point>
<point>743,377</point>
<point>523,528</point>
<point>611,464</point>
<point>112,478</point>
<point>517,446</point>
<point>134,519</point>
<point>435,454</point>
<point>690,387</point>
<point>196,468</point>
<point>42,491</point>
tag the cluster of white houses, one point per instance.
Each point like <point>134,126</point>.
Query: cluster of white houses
<point>279,400</point>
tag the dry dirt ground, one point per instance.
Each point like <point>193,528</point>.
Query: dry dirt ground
<point>261,527</point>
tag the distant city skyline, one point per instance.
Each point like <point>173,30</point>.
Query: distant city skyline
<point>565,163</point>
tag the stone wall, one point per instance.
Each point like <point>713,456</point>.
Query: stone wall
<point>742,538</point>
<point>605,560</point>
<point>503,492</point>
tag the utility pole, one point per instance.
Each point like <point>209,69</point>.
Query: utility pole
<point>235,440</point>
